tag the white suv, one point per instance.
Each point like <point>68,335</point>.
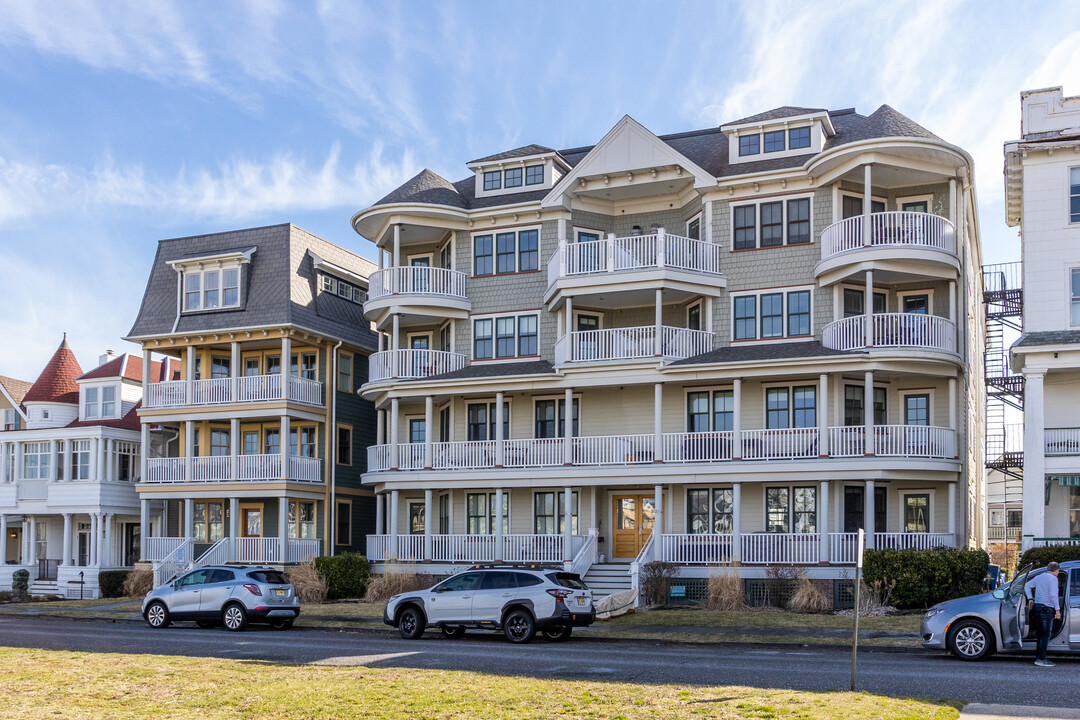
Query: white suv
<point>517,599</point>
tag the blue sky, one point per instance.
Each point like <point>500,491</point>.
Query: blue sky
<point>123,123</point>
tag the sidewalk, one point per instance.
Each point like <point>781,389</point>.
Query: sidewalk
<point>980,711</point>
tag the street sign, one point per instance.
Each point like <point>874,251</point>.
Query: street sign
<point>858,585</point>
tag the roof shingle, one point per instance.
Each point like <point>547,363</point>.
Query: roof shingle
<point>56,383</point>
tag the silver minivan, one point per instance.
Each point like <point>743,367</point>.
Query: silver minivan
<point>973,628</point>
<point>230,595</point>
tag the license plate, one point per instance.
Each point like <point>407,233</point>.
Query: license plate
<point>278,592</point>
<point>581,601</point>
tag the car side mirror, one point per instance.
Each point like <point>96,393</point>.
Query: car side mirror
<point>1000,593</point>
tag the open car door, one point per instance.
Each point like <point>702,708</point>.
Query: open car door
<point>1014,612</point>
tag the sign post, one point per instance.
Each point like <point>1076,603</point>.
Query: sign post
<point>858,585</point>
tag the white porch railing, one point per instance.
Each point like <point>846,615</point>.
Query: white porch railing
<point>463,548</point>
<point>636,252</point>
<point>218,391</point>
<point>209,469</point>
<point>1062,441</point>
<point>218,468</point>
<point>217,554</point>
<point>1042,542</point>
<point>172,564</point>
<point>166,470</point>
<point>158,548</point>
<point>847,441</point>
<point>780,548</point>
<point>895,228</point>
<point>258,550</point>
<point>298,550</point>
<point>305,391</point>
<point>172,393</point>
<point>457,455</point>
<point>697,549</point>
<point>914,441</point>
<point>697,447</point>
<point>630,343</point>
<point>912,330</point>
<point>539,452</point>
<point>586,555</point>
<point>912,541</point>
<point>532,548</point>
<point>260,467</point>
<point>305,469</point>
<point>259,388</point>
<point>643,557</point>
<point>843,548</point>
<point>416,280</point>
<point>613,449</point>
<point>413,364</point>
<point>785,444</point>
<point>211,391</point>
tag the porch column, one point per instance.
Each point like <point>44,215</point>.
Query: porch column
<point>3,463</point>
<point>236,370</point>
<point>868,410</point>
<point>394,406</point>
<point>823,522</point>
<point>952,304</point>
<point>3,539</point>
<point>568,427</point>
<point>393,552</point>
<point>868,307</point>
<point>54,459</point>
<point>107,546</point>
<point>569,329</point>
<point>593,510</point>
<point>658,521</point>
<point>144,527</point>
<point>286,365</point>
<point>234,517</point>
<point>953,201</point>
<point>568,527</point>
<point>189,375</point>
<point>953,419</point>
<point>736,420</point>
<point>234,448</point>
<point>868,192</point>
<point>869,521</point>
<point>658,422</point>
<point>397,245</point>
<point>27,540</point>
<point>499,539</point>
<point>395,338</point>
<point>658,349</point>
<point>380,513</point>
<point>1034,517</point>
<point>66,557</point>
<point>429,512</point>
<point>99,459</point>
<point>144,452</point>
<point>823,415</point>
<point>952,514</point>
<point>189,449</point>
<point>380,253</point>
<point>189,518</point>
<point>283,527</point>
<point>18,461</point>
<point>429,430</point>
<point>736,522</point>
<point>380,427</point>
<point>500,433</point>
<point>95,531</point>
<point>283,447</point>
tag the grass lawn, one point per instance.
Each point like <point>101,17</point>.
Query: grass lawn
<point>766,617</point>
<point>43,683</point>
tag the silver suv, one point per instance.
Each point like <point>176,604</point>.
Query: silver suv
<point>231,595</point>
<point>517,599</point>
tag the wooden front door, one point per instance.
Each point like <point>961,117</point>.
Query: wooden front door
<point>632,521</point>
<point>251,522</point>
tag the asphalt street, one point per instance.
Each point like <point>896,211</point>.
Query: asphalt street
<point>1001,679</point>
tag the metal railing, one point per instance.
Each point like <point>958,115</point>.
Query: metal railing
<point>893,228</point>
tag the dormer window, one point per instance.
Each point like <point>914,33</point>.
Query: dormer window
<point>211,289</point>
<point>534,175</point>
<point>512,177</point>
<point>749,145</point>
<point>493,180</point>
<point>798,138</point>
<point>774,141</point>
<point>348,291</point>
<point>11,420</point>
<point>99,403</point>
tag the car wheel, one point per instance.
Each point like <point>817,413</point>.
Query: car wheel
<point>281,624</point>
<point>970,640</point>
<point>557,634</point>
<point>452,632</point>
<point>157,615</point>
<point>519,626</point>
<point>206,624</point>
<point>234,617</point>
<point>411,623</point>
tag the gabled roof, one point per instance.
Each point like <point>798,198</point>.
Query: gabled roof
<point>130,421</point>
<point>523,151</point>
<point>14,390</point>
<point>1048,337</point>
<point>56,383</point>
<point>777,114</point>
<point>130,367</point>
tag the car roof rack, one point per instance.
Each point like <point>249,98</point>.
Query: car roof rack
<point>515,566</point>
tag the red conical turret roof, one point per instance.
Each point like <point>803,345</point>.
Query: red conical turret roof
<point>56,383</point>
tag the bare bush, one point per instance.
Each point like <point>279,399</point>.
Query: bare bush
<point>139,582</point>
<point>780,581</point>
<point>395,581</point>
<point>726,590</point>
<point>656,580</point>
<point>311,586</point>
<point>809,597</point>
<point>875,599</point>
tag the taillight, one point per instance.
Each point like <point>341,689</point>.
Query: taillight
<point>559,594</point>
<point>253,588</point>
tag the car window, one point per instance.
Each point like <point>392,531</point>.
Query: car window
<point>270,577</point>
<point>1016,589</point>
<point>498,580</point>
<point>568,580</point>
<point>1074,576</point>
<point>219,576</point>
<point>464,581</point>
<point>527,580</point>
<point>196,578</point>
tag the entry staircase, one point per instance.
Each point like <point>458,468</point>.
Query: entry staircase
<point>608,578</point>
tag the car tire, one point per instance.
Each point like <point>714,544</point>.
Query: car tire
<point>970,640</point>
<point>281,624</point>
<point>234,617</point>
<point>206,624</point>
<point>157,615</point>
<point>557,634</point>
<point>411,623</point>
<point>519,626</point>
<point>453,631</point>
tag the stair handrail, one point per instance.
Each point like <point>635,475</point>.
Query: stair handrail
<point>586,556</point>
<point>166,569</point>
<point>635,569</point>
<point>222,547</point>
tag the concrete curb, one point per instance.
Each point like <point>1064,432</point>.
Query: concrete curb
<point>983,711</point>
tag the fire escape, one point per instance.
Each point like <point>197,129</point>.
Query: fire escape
<point>1003,298</point>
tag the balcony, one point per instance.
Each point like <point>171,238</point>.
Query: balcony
<point>413,364</point>
<point>913,441</point>
<point>222,468</point>
<point>889,230</point>
<point>892,330</point>
<point>223,391</point>
<point>416,294</point>
<point>632,343</point>
<point>1062,441</point>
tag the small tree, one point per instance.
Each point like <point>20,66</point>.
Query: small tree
<point>20,585</point>
<point>656,578</point>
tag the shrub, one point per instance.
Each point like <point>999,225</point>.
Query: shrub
<point>139,582</point>
<point>6,596</point>
<point>726,591</point>
<point>346,575</point>
<point>921,578</point>
<point>1042,556</point>
<point>20,585</point>
<point>111,582</point>
<point>809,597</point>
<point>311,586</point>
<point>396,580</point>
<point>656,579</point>
<point>781,584</point>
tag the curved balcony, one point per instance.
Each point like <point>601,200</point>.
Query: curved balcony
<point>421,292</point>
<point>413,364</point>
<point>896,237</point>
<point>632,343</point>
<point>904,330</point>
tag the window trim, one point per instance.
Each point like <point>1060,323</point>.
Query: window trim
<point>494,317</point>
<point>861,289</point>
<point>543,173</point>
<point>784,291</point>
<point>905,392</point>
<point>494,233</point>
<point>201,270</point>
<point>699,216</point>
<point>928,198</point>
<point>791,488</point>
<point>930,508</point>
<point>839,210</point>
<point>712,390</point>
<point>757,203</point>
<point>710,490</point>
<point>339,502</point>
<point>699,305</point>
<point>1071,299</point>
<point>410,503</point>
<point>782,132</point>
<point>337,445</point>
<point>928,292</point>
<point>348,386</point>
<point>790,386</point>
<point>1069,222</point>
<point>809,137</point>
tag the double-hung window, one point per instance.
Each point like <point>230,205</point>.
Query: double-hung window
<point>483,255</point>
<point>798,221</point>
<point>37,460</point>
<point>480,513</point>
<point>93,410</point>
<point>745,317</point>
<point>745,227</point>
<point>505,253</point>
<point>108,401</point>
<point>1074,195</point>
<point>854,407</point>
<point>776,222</point>
<point>791,510</point>
<point>483,344</point>
<point>527,344</point>
<point>798,138</point>
<point>772,315</point>
<point>548,515</point>
<point>772,224</point>
<point>528,250</point>
<point>794,407</point>
<point>783,314</point>
<point>481,421</point>
<point>80,460</point>
<point>301,519</point>
<point>705,516</point>
<point>506,336</point>
<point>700,417</point>
<point>855,302</point>
<point>551,418</point>
<point>505,331</point>
<point>345,372</point>
<point>798,313</point>
<point>1074,295</point>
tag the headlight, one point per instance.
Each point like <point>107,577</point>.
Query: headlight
<point>932,612</point>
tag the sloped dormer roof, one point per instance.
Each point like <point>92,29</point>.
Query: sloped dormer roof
<point>130,368</point>
<point>523,151</point>
<point>15,389</point>
<point>777,114</point>
<point>56,383</point>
